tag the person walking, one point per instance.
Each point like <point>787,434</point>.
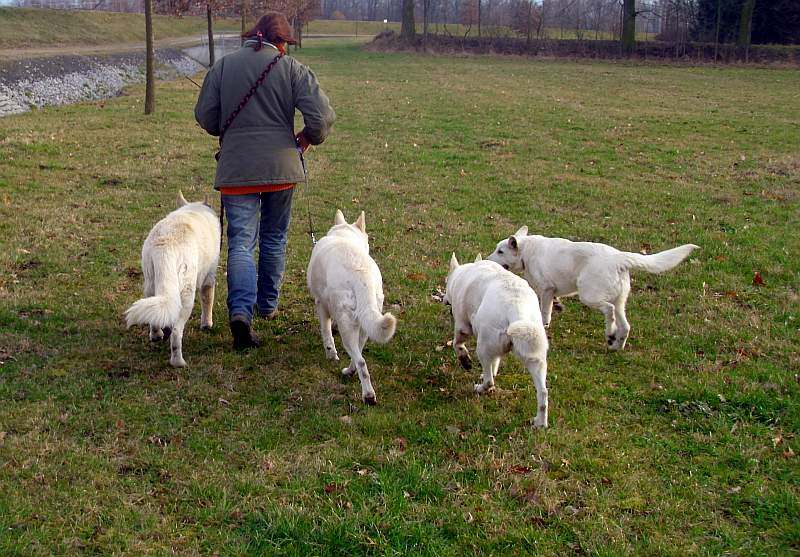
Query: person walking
<point>248,99</point>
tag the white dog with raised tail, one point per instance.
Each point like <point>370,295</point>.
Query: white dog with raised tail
<point>179,256</point>
<point>597,273</point>
<point>347,286</point>
<point>502,311</point>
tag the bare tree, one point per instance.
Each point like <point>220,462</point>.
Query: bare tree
<point>210,24</point>
<point>746,27</point>
<point>628,27</point>
<point>407,30</point>
<point>149,89</point>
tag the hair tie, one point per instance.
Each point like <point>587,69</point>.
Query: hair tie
<point>260,40</point>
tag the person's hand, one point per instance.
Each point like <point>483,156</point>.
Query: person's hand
<point>301,142</point>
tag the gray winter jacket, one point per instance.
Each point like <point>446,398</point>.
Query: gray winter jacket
<point>259,146</point>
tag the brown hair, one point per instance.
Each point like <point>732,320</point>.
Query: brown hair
<point>273,27</point>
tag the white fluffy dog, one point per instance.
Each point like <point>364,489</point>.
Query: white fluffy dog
<point>502,311</point>
<point>598,273</point>
<point>347,286</point>
<point>179,256</point>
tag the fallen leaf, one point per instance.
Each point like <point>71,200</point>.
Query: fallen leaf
<point>736,489</point>
<point>757,280</point>
<point>519,469</point>
<point>777,440</point>
<point>453,429</point>
<point>330,488</point>
<point>346,420</point>
<point>788,453</point>
<point>415,276</point>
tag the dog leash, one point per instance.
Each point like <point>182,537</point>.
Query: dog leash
<point>308,198</point>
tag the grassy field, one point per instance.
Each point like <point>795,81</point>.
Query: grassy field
<point>21,27</point>
<point>684,444</point>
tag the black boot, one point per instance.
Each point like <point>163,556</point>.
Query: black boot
<point>243,336</point>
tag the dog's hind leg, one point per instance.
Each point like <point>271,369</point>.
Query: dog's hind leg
<point>176,338</point>
<point>623,327</point>
<point>460,336</point>
<point>207,302</point>
<point>546,300</point>
<point>325,330</point>
<point>490,363</point>
<point>156,334</point>
<point>351,339</point>
<point>608,310</point>
<point>537,367</point>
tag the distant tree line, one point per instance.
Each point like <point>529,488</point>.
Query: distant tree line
<point>679,21</point>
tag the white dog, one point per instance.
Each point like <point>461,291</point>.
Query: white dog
<point>347,286</point>
<point>598,273</point>
<point>179,256</point>
<point>502,311</point>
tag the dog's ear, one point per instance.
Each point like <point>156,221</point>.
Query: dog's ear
<point>361,222</point>
<point>339,218</point>
<point>181,201</point>
<point>453,262</point>
<point>523,231</point>
<point>478,258</point>
<point>513,244</point>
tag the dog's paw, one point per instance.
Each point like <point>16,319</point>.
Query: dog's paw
<point>540,423</point>
<point>611,341</point>
<point>465,361</point>
<point>369,399</point>
<point>558,306</point>
<point>481,390</point>
<point>177,362</point>
<point>206,326</point>
<point>331,354</point>
<point>348,371</point>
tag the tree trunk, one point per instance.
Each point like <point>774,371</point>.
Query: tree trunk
<point>716,30</point>
<point>746,24</point>
<point>407,30</point>
<point>530,8</point>
<point>149,90</point>
<point>628,27</point>
<point>298,33</point>
<point>244,18</point>
<point>210,22</point>
<point>426,4</point>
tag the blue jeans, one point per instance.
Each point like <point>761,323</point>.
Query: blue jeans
<point>246,288</point>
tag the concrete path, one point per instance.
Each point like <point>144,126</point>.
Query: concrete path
<point>88,50</point>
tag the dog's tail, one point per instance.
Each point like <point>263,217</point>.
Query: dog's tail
<point>161,310</point>
<point>527,338</point>
<point>658,262</point>
<point>379,328</point>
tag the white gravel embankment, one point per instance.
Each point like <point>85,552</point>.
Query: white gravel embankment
<point>34,83</point>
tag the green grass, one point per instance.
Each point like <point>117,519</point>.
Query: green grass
<point>685,443</point>
<point>28,27</point>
